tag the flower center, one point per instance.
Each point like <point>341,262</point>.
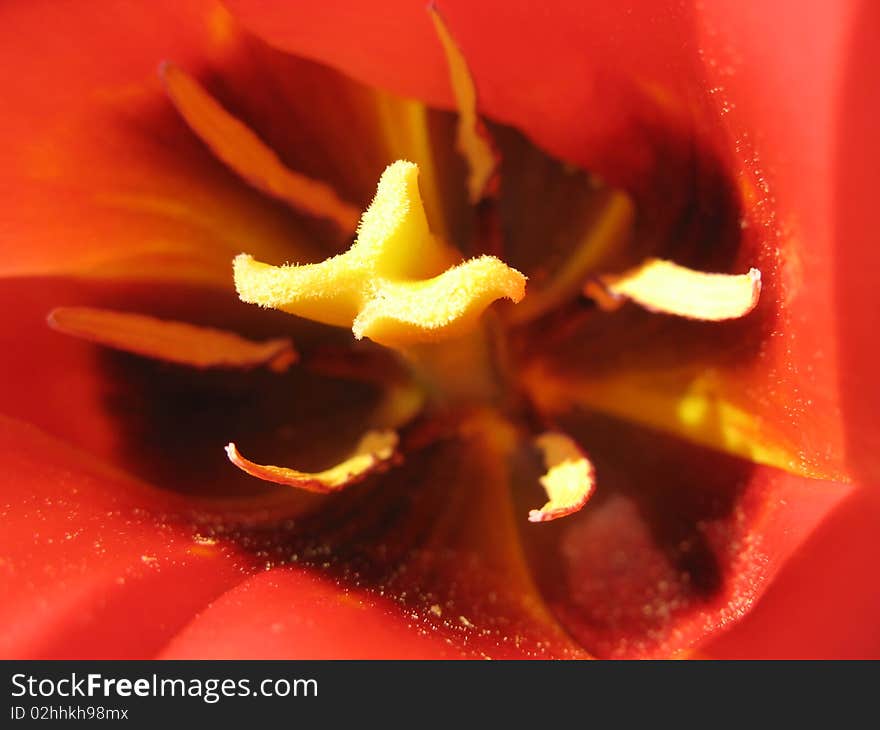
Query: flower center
<point>401,287</point>
<point>408,290</point>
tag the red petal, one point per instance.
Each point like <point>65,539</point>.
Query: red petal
<point>567,76</point>
<point>87,555</point>
<point>825,206</point>
<point>806,155</point>
<point>825,602</point>
<point>853,251</point>
<point>291,613</point>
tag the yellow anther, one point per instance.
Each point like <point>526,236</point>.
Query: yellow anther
<point>569,481</point>
<point>177,342</point>
<point>245,153</point>
<point>377,450</point>
<point>665,287</point>
<point>397,283</point>
<point>474,141</point>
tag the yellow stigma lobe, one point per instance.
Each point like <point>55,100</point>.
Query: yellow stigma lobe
<point>444,306</point>
<point>569,481</point>
<point>396,284</point>
<point>665,287</point>
<point>375,452</point>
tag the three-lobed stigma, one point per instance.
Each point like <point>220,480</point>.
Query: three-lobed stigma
<point>397,285</point>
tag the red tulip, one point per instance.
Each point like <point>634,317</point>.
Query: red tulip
<point>741,133</point>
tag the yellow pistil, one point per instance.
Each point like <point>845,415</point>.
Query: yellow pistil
<point>569,481</point>
<point>397,283</point>
<point>375,452</point>
<point>665,287</point>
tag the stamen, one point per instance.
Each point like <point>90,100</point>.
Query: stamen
<point>610,229</point>
<point>474,141</point>
<point>665,287</point>
<point>569,481</point>
<point>244,152</point>
<point>376,451</point>
<point>394,284</point>
<point>178,342</point>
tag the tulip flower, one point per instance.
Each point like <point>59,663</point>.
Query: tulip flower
<point>528,332</point>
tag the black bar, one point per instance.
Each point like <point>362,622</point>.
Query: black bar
<point>555,695</point>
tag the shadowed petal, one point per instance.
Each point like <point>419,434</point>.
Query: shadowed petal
<point>677,543</point>
<point>446,551</point>
<point>697,402</point>
<point>87,551</point>
<point>167,423</point>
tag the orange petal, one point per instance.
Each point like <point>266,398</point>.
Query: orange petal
<point>474,141</point>
<point>376,450</point>
<point>569,481</point>
<point>243,151</point>
<point>104,178</point>
<point>665,287</point>
<point>179,342</point>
